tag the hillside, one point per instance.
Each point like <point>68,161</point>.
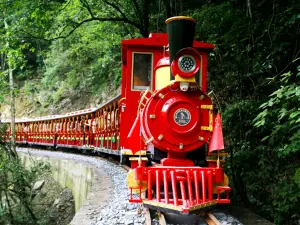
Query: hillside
<point>81,71</point>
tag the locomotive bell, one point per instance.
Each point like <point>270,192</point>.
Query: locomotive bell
<point>181,31</point>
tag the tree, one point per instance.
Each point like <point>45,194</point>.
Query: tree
<point>63,19</point>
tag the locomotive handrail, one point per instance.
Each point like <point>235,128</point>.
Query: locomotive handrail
<point>122,99</point>
<point>142,99</point>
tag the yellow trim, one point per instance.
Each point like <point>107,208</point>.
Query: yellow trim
<point>129,152</point>
<point>162,77</point>
<point>133,183</point>
<point>138,158</point>
<point>182,79</point>
<point>202,205</point>
<point>221,154</point>
<point>206,128</point>
<point>180,18</point>
<point>178,208</point>
<point>132,63</point>
<point>210,107</point>
<point>210,123</point>
<point>214,160</point>
<point>162,205</point>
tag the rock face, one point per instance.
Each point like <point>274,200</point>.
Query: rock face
<point>63,208</point>
<point>51,203</point>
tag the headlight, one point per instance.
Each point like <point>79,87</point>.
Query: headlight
<point>187,63</point>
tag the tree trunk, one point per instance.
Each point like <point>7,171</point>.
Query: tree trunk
<point>12,98</point>
<point>12,108</point>
<point>167,8</point>
<point>145,25</point>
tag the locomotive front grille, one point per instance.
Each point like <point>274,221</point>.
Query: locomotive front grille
<point>183,190</point>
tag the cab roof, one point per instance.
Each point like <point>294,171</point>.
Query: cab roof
<point>156,40</point>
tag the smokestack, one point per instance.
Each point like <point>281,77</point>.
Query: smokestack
<point>181,31</point>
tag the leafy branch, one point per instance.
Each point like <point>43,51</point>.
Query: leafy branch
<point>282,112</point>
<point>92,17</point>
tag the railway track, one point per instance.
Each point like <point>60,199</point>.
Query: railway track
<point>153,217</point>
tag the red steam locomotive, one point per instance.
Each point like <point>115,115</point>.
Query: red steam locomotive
<point>163,115</point>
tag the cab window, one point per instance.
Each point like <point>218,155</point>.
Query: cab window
<point>142,71</point>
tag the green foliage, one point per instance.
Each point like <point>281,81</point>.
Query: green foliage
<point>282,114</point>
<point>16,188</point>
<point>260,176</point>
<point>4,88</point>
<point>281,117</point>
<point>297,178</point>
<point>248,48</point>
<point>83,63</point>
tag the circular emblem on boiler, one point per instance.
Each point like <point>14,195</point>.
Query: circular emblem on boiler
<point>182,117</point>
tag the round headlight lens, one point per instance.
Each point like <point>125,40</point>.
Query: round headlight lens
<point>187,63</point>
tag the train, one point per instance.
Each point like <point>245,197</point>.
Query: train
<point>162,123</point>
